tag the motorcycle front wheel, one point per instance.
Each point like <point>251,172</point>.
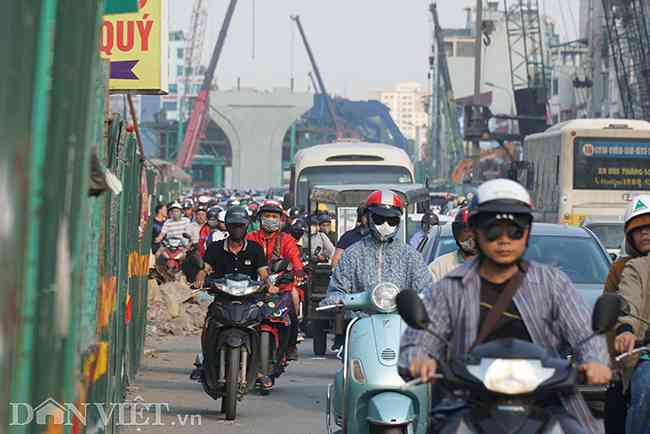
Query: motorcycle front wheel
<point>229,400</point>
<point>266,352</point>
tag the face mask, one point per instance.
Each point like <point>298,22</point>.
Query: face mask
<point>385,229</point>
<point>237,233</point>
<point>468,246</point>
<point>213,223</point>
<point>270,225</point>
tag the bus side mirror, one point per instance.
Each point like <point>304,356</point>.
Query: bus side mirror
<point>530,177</point>
<point>288,200</point>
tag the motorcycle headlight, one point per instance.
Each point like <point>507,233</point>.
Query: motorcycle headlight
<point>511,376</point>
<point>383,296</point>
<point>238,288</point>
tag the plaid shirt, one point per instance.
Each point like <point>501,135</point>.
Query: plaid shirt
<point>549,304</point>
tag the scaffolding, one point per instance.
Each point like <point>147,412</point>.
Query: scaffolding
<point>530,81</point>
<point>627,30</point>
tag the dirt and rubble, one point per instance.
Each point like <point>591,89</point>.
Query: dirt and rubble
<point>169,314</point>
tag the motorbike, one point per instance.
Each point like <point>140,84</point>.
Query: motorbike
<point>274,311</point>
<point>508,383</point>
<point>230,340</point>
<point>173,254</point>
<point>366,395</point>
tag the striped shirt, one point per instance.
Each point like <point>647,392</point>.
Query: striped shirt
<point>176,229</point>
<point>549,304</point>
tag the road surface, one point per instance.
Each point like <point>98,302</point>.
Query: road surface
<point>296,405</point>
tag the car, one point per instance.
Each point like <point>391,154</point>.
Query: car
<point>575,250</point>
<point>611,233</point>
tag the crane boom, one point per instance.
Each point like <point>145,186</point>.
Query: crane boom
<point>199,120</point>
<point>319,79</point>
<point>193,52</point>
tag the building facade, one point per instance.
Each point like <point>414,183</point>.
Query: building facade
<point>407,104</point>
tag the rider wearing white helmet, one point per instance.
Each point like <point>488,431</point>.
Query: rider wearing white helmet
<point>521,299</point>
<point>634,286</point>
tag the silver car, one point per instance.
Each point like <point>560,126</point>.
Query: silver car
<point>576,251</point>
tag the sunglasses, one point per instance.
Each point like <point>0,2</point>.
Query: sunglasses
<point>493,232</point>
<point>380,220</point>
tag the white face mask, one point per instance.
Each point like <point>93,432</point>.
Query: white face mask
<point>386,229</point>
<point>468,246</point>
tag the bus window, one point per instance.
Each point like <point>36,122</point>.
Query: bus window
<point>338,175</point>
<point>611,164</point>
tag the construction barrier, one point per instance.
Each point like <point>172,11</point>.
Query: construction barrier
<point>74,264</point>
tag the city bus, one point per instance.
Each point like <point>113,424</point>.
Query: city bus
<point>348,163</point>
<point>587,168</point>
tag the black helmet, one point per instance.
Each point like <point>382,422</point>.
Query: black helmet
<point>324,218</point>
<point>461,221</point>
<point>297,229</point>
<point>237,215</point>
<point>213,213</point>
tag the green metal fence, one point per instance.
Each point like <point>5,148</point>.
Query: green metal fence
<point>73,305</point>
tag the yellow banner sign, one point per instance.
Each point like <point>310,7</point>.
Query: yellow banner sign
<point>136,46</point>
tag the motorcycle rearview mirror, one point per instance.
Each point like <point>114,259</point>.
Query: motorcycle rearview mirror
<point>412,310</point>
<point>607,311</point>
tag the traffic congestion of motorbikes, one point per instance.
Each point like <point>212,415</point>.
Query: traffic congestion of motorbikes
<point>481,320</point>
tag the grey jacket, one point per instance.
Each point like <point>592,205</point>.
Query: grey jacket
<point>369,262</point>
<point>552,310</point>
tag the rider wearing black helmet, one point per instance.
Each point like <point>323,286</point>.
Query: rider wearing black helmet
<point>466,242</point>
<point>235,254</point>
<point>530,302</point>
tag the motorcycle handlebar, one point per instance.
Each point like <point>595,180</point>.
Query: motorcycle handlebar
<point>329,307</point>
<point>636,350</point>
<point>410,382</point>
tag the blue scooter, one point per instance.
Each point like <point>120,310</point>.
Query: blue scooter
<point>367,396</point>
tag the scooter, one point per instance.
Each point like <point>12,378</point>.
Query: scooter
<point>170,260</point>
<point>274,310</point>
<point>507,382</point>
<point>367,396</point>
<point>230,341</point>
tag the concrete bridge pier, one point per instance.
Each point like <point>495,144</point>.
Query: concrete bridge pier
<point>255,123</point>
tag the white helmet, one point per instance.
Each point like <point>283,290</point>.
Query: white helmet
<point>638,213</point>
<point>222,216</point>
<point>501,196</point>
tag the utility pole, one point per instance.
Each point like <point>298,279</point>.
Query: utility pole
<point>597,35</point>
<point>434,149</point>
<point>476,148</point>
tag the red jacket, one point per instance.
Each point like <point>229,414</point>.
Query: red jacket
<point>288,248</point>
<point>204,233</point>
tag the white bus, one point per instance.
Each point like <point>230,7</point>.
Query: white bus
<point>348,163</point>
<point>587,168</point>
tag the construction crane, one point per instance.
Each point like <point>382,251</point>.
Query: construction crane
<point>198,123</point>
<point>527,69</point>
<point>319,79</point>
<point>629,44</point>
<point>443,106</point>
<point>193,52</point>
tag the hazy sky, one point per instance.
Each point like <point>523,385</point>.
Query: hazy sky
<point>360,45</point>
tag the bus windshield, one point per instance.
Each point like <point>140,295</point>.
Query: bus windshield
<point>338,175</point>
<point>611,164</point>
